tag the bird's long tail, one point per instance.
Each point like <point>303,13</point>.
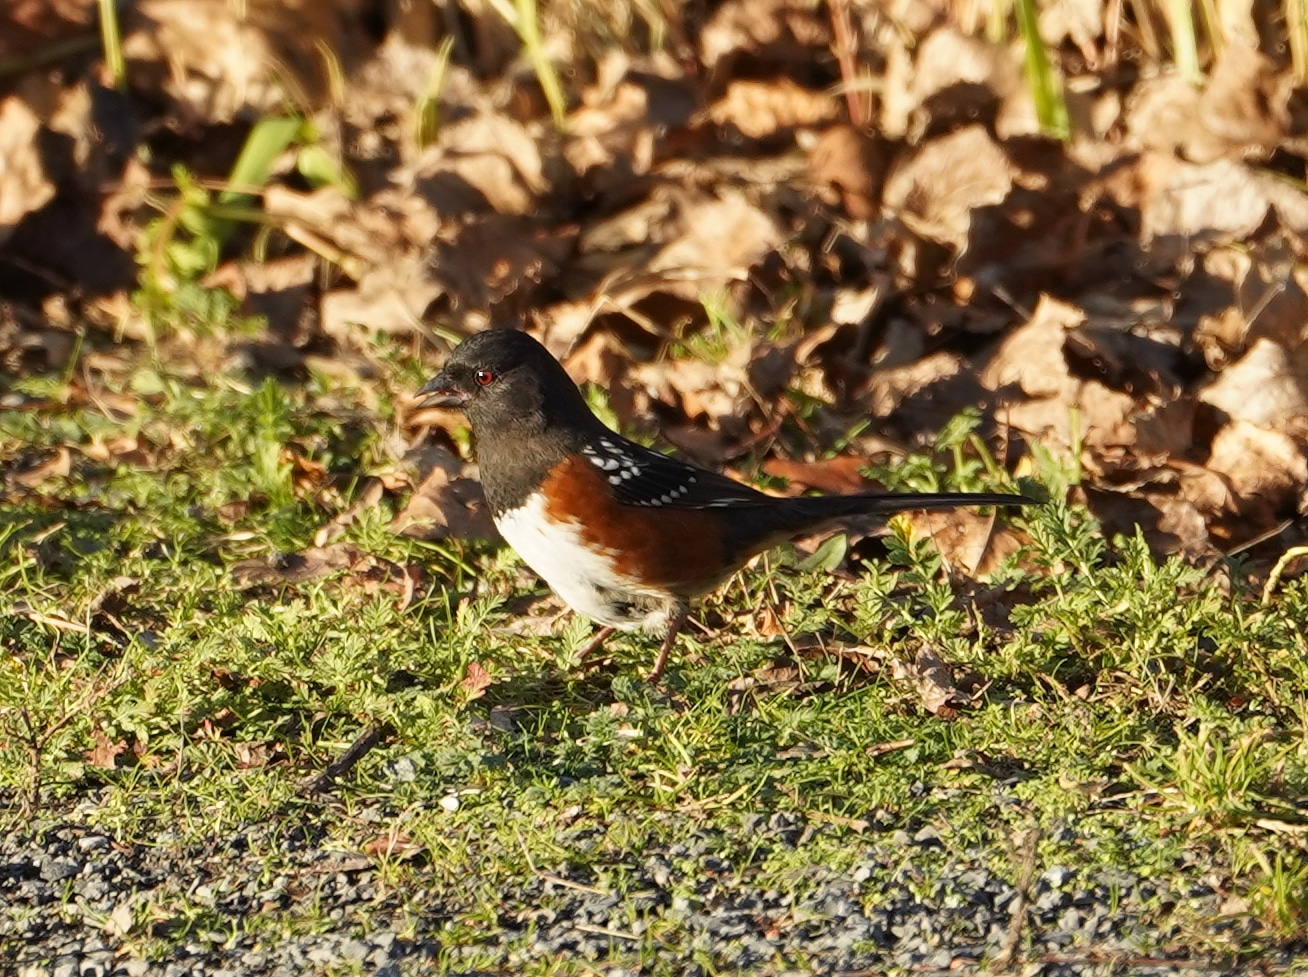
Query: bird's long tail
<point>806,515</point>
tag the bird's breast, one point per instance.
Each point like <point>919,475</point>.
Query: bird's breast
<point>676,550</point>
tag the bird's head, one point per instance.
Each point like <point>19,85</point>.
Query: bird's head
<point>504,379</point>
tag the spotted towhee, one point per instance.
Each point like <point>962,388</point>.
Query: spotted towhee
<point>625,535</point>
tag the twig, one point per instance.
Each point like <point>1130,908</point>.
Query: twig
<point>1023,853</point>
<point>344,763</point>
<point>1274,580</point>
<point>845,49</point>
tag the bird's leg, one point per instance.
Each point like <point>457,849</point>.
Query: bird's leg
<point>678,617</point>
<point>597,642</point>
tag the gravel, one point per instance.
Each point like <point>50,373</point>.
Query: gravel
<point>74,903</point>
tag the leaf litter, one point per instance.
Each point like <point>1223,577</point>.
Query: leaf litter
<point>1134,296</point>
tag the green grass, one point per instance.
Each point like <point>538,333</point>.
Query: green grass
<point>1160,712</point>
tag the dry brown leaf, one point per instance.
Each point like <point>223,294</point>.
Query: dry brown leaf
<point>484,162</point>
<point>1183,522</point>
<point>58,465</point>
<point>393,845</point>
<point>936,189</point>
<point>1222,200</point>
<point>1268,386</point>
<point>1161,112</point>
<point>1268,299</point>
<point>851,166</point>
<point>933,679</point>
<point>704,391</point>
<point>889,746</point>
<point>445,507</point>
<point>391,297</point>
<point>1242,108</point>
<point>600,133</point>
<point>29,25</point>
<point>1031,356</point>
<point>625,115</point>
<point>840,475</point>
<point>1106,420</point>
<point>220,59</point>
<point>104,754</point>
<point>1079,21</point>
<point>946,79</point>
<point>358,568</point>
<point>890,388</point>
<point>778,30</point>
<point>24,186</point>
<point>721,238</point>
<point>1266,470</point>
<point>761,108</point>
<point>251,756</point>
<point>1204,489</point>
<point>967,540</point>
<point>487,259</point>
<point>1244,105</point>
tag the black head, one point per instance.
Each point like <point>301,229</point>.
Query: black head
<point>505,381</point>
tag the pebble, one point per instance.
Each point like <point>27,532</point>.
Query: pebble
<point>58,869</point>
<point>899,908</point>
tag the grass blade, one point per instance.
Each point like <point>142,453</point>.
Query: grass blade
<point>1046,87</point>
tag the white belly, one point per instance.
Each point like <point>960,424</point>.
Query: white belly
<point>586,579</point>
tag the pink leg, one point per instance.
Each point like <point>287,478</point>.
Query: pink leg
<point>674,628</point>
<point>597,642</point>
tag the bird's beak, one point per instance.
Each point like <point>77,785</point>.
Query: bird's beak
<point>441,391</point>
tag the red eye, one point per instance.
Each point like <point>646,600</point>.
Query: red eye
<point>485,378</point>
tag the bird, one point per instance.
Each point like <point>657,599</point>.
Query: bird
<point>623,534</point>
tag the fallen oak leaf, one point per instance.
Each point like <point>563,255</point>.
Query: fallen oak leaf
<point>933,679</point>
<point>104,754</point>
<point>443,507</point>
<point>836,476</point>
<point>394,845</point>
<point>364,569</point>
<point>58,465</point>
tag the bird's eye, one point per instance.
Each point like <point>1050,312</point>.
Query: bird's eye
<point>485,378</point>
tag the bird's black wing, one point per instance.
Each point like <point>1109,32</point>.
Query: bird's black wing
<point>643,477</point>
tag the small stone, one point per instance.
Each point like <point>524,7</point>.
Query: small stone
<point>354,950</point>
<point>927,836</point>
<point>1057,876</point>
<point>1051,900</point>
<point>96,966</point>
<point>58,869</point>
<point>403,770</point>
